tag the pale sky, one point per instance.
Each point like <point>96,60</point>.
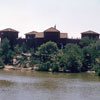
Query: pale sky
<point>70,16</point>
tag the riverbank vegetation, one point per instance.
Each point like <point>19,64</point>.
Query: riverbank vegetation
<point>72,58</point>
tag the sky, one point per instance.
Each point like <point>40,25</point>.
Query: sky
<point>69,16</point>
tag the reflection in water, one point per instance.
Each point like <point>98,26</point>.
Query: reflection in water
<point>16,85</point>
<point>46,84</point>
<point>5,83</point>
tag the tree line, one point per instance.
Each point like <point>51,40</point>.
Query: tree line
<point>72,58</point>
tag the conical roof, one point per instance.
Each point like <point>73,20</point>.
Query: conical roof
<point>51,29</point>
<point>8,30</point>
<point>30,33</point>
<point>89,32</point>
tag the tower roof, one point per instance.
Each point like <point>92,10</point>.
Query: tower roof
<point>8,30</point>
<point>89,32</point>
<point>51,29</point>
<point>30,33</point>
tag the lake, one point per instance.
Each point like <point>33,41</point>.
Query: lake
<point>16,85</point>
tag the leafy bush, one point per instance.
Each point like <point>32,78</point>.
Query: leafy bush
<point>44,66</point>
<point>98,72</point>
<point>47,52</point>
<point>74,63</point>
<point>55,67</point>
<point>72,58</point>
<point>95,67</point>
<point>34,61</point>
<point>1,64</point>
<point>5,51</point>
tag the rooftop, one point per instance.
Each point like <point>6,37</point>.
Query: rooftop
<point>41,34</point>
<point>89,32</point>
<point>30,33</point>
<point>8,30</point>
<point>51,29</point>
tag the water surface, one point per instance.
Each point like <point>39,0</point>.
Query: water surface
<point>16,85</point>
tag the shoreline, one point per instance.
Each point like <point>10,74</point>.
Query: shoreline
<point>10,67</point>
<point>14,68</point>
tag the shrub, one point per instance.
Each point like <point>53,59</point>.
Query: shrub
<point>98,72</point>
<point>72,58</point>
<point>44,66</point>
<point>34,61</point>
<point>64,69</point>
<point>47,52</point>
<point>55,67</point>
<point>1,64</point>
<point>74,64</point>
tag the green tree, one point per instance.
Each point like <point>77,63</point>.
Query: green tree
<point>34,60</point>
<point>5,52</point>
<point>86,42</point>
<point>91,52</point>
<point>73,58</point>
<point>47,52</point>
<point>44,66</point>
<point>24,48</point>
<point>74,63</point>
<point>1,63</point>
<point>55,67</point>
<point>18,49</point>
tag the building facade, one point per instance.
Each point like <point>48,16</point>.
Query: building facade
<point>90,34</point>
<point>10,34</point>
<point>35,39</point>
